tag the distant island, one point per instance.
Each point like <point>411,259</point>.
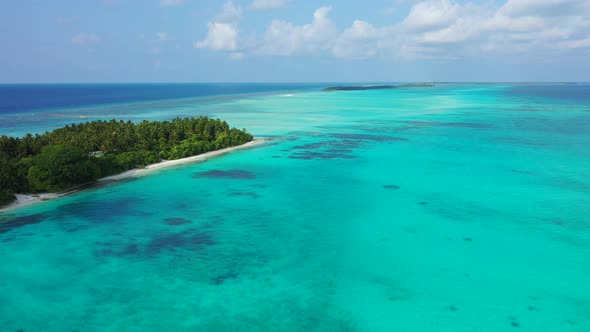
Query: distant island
<point>377,87</point>
<point>79,154</point>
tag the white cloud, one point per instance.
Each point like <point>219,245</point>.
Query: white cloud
<point>581,43</point>
<point>222,34</point>
<point>285,38</point>
<point>230,13</point>
<point>162,36</point>
<point>85,39</point>
<point>449,29</point>
<point>268,4</point>
<point>221,37</point>
<point>361,40</point>
<point>538,28</point>
<point>171,3</point>
<point>458,32</point>
<point>441,29</point>
<point>430,15</point>
<point>553,8</point>
<point>237,56</point>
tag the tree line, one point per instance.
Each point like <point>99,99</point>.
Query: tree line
<point>81,153</point>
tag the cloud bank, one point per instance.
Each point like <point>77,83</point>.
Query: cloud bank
<point>441,29</point>
<point>268,4</point>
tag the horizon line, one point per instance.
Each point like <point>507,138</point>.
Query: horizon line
<point>297,82</point>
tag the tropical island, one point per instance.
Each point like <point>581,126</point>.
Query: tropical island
<point>80,154</point>
<point>377,87</point>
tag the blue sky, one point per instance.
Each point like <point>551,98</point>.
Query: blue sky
<point>294,40</point>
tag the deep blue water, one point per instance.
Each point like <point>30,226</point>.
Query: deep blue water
<point>573,93</point>
<point>18,98</point>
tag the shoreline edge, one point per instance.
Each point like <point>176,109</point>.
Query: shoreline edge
<point>25,200</point>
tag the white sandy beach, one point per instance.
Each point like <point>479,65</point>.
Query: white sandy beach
<point>23,200</point>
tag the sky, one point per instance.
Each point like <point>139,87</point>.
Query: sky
<point>294,40</point>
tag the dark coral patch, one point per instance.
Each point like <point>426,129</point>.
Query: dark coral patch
<point>98,212</point>
<point>10,224</point>
<point>220,279</point>
<point>451,308</point>
<point>185,240</point>
<point>244,194</point>
<point>522,142</point>
<point>447,124</point>
<point>304,133</point>
<point>423,203</point>
<point>176,221</point>
<point>119,250</point>
<point>367,137</point>
<point>344,144</point>
<point>391,187</point>
<point>341,146</point>
<point>311,146</point>
<point>338,151</point>
<point>514,322</point>
<point>215,220</point>
<point>468,239</point>
<point>320,155</point>
<point>229,174</point>
<point>132,249</point>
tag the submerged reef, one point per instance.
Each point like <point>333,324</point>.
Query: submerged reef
<point>229,174</point>
<point>338,146</point>
<point>391,187</point>
<point>12,223</point>
<point>176,221</point>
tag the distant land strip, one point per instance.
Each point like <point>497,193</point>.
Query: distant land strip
<point>377,87</point>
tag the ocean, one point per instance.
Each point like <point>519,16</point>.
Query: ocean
<point>459,207</point>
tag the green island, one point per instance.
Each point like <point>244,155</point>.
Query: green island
<point>377,87</point>
<point>80,154</point>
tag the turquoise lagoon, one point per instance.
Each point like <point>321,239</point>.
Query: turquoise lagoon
<point>453,208</point>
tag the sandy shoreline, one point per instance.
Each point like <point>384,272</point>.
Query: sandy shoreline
<point>23,200</point>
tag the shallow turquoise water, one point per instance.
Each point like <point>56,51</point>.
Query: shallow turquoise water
<point>456,208</point>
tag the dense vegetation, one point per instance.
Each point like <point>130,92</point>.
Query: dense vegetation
<point>81,153</point>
